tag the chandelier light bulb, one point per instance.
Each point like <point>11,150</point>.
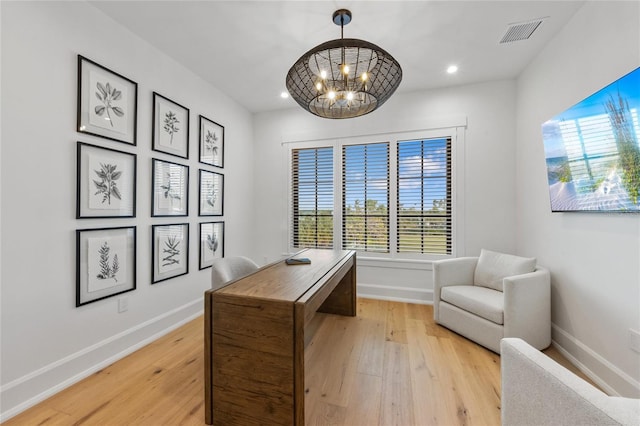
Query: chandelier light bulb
<point>323,74</point>
<point>331,94</point>
<point>345,69</point>
<point>350,96</point>
<point>364,76</point>
<point>319,86</point>
<point>452,69</point>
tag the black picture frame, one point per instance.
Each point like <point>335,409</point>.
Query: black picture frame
<point>169,189</point>
<point>100,272</point>
<point>169,251</point>
<point>211,142</point>
<point>211,243</point>
<point>107,103</point>
<point>170,128</point>
<point>105,182</point>
<point>210,193</point>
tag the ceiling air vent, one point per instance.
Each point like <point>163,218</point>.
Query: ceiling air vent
<point>521,30</point>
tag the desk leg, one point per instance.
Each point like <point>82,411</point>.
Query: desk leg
<point>298,364</point>
<point>342,300</point>
<point>208,359</point>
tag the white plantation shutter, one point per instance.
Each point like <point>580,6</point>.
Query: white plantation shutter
<point>424,196</point>
<point>312,197</point>
<point>365,197</point>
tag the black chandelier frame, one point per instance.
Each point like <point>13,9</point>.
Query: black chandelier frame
<point>345,77</point>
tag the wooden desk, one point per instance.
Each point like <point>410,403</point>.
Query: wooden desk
<point>255,337</point>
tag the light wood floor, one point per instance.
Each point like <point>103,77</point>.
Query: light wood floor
<point>390,365</point>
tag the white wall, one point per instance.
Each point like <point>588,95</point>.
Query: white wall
<point>47,342</point>
<point>489,187</point>
<point>594,258</point>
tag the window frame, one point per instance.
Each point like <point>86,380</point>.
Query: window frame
<point>454,132</point>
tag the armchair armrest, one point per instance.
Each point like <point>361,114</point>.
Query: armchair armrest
<point>527,307</point>
<point>536,390</point>
<point>458,271</point>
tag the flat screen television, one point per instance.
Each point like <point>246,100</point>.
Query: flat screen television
<point>592,151</point>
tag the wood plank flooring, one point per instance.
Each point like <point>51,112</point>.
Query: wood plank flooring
<point>390,365</point>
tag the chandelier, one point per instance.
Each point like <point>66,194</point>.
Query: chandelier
<point>343,78</point>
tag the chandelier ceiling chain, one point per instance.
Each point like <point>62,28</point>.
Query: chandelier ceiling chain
<point>343,78</point>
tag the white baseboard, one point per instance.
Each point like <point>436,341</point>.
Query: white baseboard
<point>610,378</point>
<point>396,294</point>
<point>30,389</point>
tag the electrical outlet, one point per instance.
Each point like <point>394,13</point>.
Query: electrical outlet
<point>634,340</point>
<point>123,304</point>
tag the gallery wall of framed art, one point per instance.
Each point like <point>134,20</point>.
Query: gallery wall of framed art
<point>107,184</point>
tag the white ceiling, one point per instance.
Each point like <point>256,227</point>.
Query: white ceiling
<point>245,48</point>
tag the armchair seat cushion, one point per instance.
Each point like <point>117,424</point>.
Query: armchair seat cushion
<point>481,301</point>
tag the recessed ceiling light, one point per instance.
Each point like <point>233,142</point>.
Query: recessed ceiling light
<point>284,95</point>
<point>452,69</point>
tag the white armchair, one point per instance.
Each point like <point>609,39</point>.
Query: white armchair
<point>538,391</point>
<point>493,296</point>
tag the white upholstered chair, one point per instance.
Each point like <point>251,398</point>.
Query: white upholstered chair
<point>538,391</point>
<point>493,296</point>
<point>227,269</point>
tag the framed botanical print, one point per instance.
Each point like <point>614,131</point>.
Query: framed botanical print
<point>170,193</point>
<point>211,190</point>
<point>170,131</point>
<point>107,103</point>
<point>105,263</point>
<point>211,243</point>
<point>170,251</point>
<point>106,182</point>
<point>211,142</point>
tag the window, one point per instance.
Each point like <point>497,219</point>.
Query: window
<point>424,196</point>
<point>365,197</point>
<point>312,195</point>
<point>391,198</point>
